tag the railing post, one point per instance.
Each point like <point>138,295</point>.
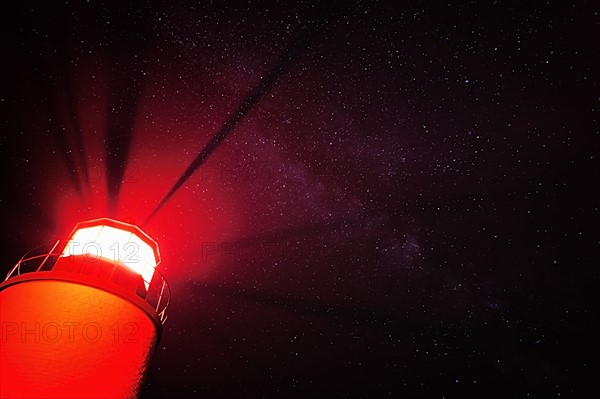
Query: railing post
<point>47,256</point>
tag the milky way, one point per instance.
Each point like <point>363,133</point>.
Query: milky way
<point>404,210</point>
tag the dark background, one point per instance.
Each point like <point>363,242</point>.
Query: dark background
<point>409,210</point>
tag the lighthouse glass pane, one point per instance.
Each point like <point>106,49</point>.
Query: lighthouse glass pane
<point>82,238</point>
<point>112,244</point>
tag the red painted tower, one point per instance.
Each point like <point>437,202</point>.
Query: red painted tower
<point>82,320</point>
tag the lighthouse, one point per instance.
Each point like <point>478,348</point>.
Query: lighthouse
<point>82,319</point>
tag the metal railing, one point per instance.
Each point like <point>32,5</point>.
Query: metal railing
<point>157,292</point>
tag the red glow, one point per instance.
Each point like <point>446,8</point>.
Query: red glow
<point>154,164</point>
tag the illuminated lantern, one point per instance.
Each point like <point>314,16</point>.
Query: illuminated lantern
<point>82,320</point>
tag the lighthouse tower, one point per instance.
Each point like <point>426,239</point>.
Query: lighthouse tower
<point>82,320</point>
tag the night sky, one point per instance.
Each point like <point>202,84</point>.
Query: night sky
<point>402,207</point>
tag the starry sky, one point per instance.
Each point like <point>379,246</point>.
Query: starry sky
<point>404,208</point>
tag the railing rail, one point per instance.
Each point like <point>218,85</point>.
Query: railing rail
<point>158,293</point>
